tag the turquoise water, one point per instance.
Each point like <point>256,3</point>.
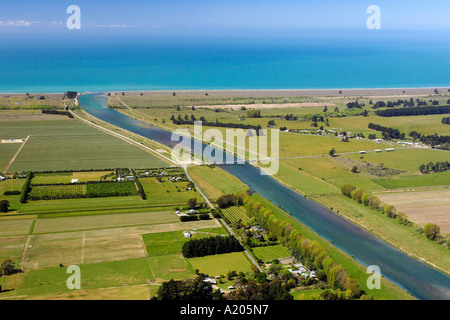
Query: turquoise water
<point>418,278</point>
<point>51,64</point>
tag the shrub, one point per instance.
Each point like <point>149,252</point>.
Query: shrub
<point>431,231</point>
<point>227,200</point>
<point>188,218</point>
<point>347,189</point>
<point>204,216</point>
<point>389,211</point>
<point>11,193</point>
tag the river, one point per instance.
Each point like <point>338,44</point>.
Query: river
<point>418,278</point>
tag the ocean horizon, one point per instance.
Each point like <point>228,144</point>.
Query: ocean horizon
<point>99,64</point>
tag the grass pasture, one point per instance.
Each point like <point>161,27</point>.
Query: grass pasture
<point>110,274</point>
<point>51,178</point>
<point>415,181</point>
<point>215,182</point>
<point>408,159</point>
<point>221,264</point>
<point>11,248</point>
<point>66,177</point>
<point>134,292</point>
<point>167,192</point>
<point>15,227</point>
<point>66,224</point>
<point>84,206</point>
<point>172,242</point>
<point>271,252</point>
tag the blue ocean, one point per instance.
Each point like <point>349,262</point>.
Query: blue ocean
<point>57,63</point>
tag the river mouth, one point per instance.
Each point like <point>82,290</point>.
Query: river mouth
<point>418,278</point>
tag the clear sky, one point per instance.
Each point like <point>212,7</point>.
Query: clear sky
<point>222,16</point>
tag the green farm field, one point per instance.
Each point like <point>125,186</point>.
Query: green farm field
<point>7,152</point>
<point>119,241</point>
<point>15,227</point>
<point>167,192</point>
<point>172,242</point>
<point>215,182</point>
<point>107,274</point>
<point>85,205</point>
<point>65,224</point>
<point>271,252</point>
<point>71,145</point>
<point>66,177</point>
<point>221,264</point>
<point>12,248</point>
<point>408,159</point>
<point>335,172</point>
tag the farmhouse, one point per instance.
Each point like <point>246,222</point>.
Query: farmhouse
<point>210,280</point>
<point>390,149</point>
<point>2,178</point>
<point>187,234</point>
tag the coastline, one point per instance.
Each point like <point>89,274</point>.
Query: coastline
<point>274,92</point>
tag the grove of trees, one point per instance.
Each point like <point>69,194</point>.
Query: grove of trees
<point>211,245</point>
<point>387,133</point>
<point>417,111</point>
<point>4,206</point>
<point>434,167</point>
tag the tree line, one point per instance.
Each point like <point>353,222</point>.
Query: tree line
<point>219,124</point>
<point>355,104</point>
<point>419,111</point>
<point>387,133</point>
<point>254,113</point>
<point>392,104</point>
<point>210,246</point>
<point>26,188</point>
<point>141,191</point>
<point>198,289</point>
<point>63,113</point>
<point>434,167</point>
<point>430,230</point>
